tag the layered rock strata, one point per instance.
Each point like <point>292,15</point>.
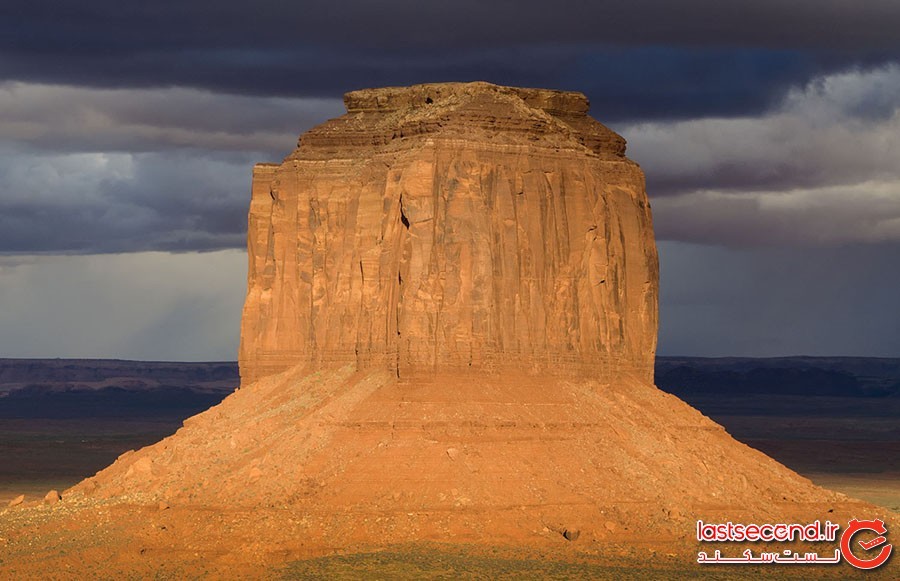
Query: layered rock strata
<point>453,226</point>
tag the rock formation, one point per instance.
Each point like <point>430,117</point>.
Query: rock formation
<point>453,226</point>
<point>448,336</point>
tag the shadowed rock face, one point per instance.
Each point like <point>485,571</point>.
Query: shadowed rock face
<point>451,226</point>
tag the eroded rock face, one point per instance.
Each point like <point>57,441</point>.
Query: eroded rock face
<point>453,226</point>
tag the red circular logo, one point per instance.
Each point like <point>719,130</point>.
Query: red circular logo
<point>877,527</point>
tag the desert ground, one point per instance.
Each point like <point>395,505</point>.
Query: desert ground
<point>847,444</point>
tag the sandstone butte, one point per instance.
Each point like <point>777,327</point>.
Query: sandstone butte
<point>448,337</point>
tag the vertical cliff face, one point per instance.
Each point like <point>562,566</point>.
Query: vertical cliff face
<point>453,226</point>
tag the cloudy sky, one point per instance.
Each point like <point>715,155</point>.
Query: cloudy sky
<point>769,132</point>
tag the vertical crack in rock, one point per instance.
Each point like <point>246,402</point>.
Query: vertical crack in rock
<point>404,260</point>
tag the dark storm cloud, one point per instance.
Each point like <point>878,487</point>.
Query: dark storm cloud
<point>132,126</point>
<point>124,170</point>
<point>867,212</point>
<point>112,170</point>
<point>639,59</point>
<point>841,129</point>
<point>99,203</point>
<point>105,25</point>
<point>820,168</point>
<point>622,82</point>
<point>54,118</point>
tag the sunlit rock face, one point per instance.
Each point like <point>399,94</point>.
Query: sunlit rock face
<point>453,226</point>
<point>456,285</point>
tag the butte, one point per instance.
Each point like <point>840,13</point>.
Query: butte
<point>448,336</point>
